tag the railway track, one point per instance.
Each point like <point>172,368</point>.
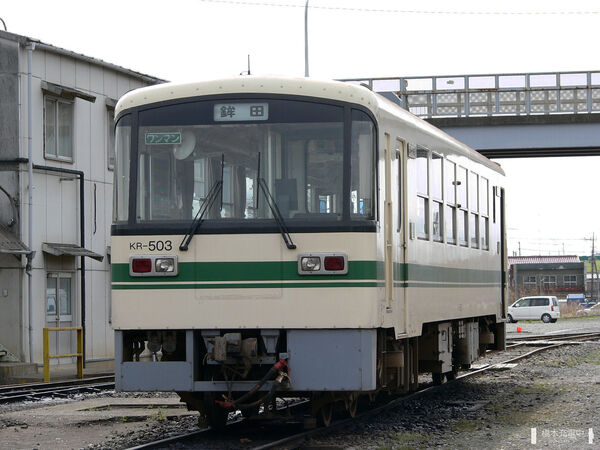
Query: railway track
<point>296,439</point>
<point>37,391</point>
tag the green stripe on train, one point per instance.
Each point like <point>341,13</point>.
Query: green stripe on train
<point>248,271</point>
<point>207,275</point>
<point>246,285</point>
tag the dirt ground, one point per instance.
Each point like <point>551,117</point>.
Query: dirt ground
<point>88,422</point>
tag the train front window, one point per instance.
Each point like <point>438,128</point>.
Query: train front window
<point>184,150</point>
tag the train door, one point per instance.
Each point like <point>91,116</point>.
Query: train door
<point>394,232</point>
<point>59,313</point>
<point>401,233</point>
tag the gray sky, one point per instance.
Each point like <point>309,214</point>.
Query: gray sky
<point>550,202</point>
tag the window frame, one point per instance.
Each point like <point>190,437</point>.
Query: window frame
<point>424,196</point>
<point>110,138</point>
<point>59,275</point>
<point>473,197</point>
<point>462,208</point>
<point>484,215</point>
<point>56,101</point>
<point>569,282</point>
<point>348,224</point>
<point>449,181</point>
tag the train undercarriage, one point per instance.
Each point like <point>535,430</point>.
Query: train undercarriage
<point>219,371</point>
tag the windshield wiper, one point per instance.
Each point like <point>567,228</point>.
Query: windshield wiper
<point>276,214</point>
<point>215,190</point>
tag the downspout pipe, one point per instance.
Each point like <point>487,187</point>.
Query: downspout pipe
<point>81,176</point>
<point>30,48</point>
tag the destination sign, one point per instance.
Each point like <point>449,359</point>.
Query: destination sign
<point>236,112</point>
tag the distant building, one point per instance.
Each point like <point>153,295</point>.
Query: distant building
<point>550,275</point>
<point>73,98</point>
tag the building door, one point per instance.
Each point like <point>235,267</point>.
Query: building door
<point>59,313</point>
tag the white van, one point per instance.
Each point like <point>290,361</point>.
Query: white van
<point>544,308</point>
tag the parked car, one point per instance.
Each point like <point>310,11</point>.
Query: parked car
<point>544,308</point>
<point>593,310</point>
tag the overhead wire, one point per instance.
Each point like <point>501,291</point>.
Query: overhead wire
<point>402,11</point>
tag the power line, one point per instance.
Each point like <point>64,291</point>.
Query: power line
<point>406,11</point>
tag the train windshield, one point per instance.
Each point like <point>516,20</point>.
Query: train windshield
<point>298,148</point>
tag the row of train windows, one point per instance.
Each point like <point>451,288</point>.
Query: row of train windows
<point>453,203</point>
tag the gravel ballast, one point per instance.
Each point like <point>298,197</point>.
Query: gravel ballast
<point>554,392</point>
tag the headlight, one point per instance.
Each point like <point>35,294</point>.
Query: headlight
<point>165,265</point>
<point>310,263</point>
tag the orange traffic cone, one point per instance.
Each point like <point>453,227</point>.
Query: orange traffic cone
<point>519,329</point>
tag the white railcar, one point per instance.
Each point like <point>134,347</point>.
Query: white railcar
<point>269,229</point>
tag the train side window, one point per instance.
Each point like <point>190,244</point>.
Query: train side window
<point>484,194</point>
<point>422,193</point>
<point>462,214</point>
<point>363,145</point>
<point>450,197</point>
<point>473,189</point>
<point>437,206</point>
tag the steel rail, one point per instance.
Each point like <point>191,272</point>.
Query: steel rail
<point>554,337</point>
<point>393,403</point>
<point>180,438</point>
<point>371,412</point>
<point>15,393</point>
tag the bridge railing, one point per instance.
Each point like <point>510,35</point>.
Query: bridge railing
<point>493,95</point>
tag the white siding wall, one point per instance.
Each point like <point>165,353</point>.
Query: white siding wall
<point>56,198</point>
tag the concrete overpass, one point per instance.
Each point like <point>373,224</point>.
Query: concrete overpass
<point>506,115</point>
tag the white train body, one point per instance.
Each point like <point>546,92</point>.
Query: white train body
<point>358,181</point>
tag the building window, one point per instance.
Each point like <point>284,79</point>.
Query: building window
<point>529,280</point>
<point>549,281</point>
<point>58,296</point>
<point>570,280</point>
<point>58,129</point>
<point>110,138</point>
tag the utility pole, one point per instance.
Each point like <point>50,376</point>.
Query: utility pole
<point>593,263</point>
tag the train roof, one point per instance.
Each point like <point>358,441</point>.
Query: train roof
<point>309,87</point>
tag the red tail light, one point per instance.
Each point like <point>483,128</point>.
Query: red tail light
<point>334,263</point>
<point>552,308</point>
<point>141,265</point>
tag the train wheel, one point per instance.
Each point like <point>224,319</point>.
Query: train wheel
<point>326,414</point>
<point>351,403</point>
<point>438,378</point>
<point>216,416</point>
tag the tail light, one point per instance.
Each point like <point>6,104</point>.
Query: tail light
<point>153,266</point>
<point>323,264</point>
<point>334,263</point>
<point>552,308</point>
<point>141,265</point>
